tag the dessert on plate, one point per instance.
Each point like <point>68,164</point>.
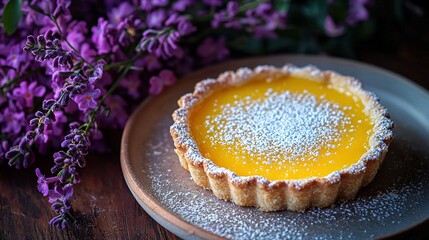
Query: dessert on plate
<point>281,138</point>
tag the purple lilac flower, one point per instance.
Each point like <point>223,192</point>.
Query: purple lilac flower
<point>76,31</point>
<point>128,29</point>
<point>98,71</point>
<point>60,12</point>
<point>62,194</point>
<point>12,120</point>
<point>157,83</point>
<point>57,126</point>
<point>26,93</point>
<point>211,50</point>
<point>43,183</point>
<point>15,56</point>
<point>227,17</point>
<point>265,20</point>
<point>118,14</point>
<point>20,154</point>
<point>357,11</point>
<point>150,4</point>
<point>34,17</point>
<point>49,47</point>
<point>87,52</point>
<point>332,29</point>
<point>213,3</point>
<point>182,5</point>
<point>151,62</point>
<point>160,43</point>
<point>156,18</point>
<point>184,26</point>
<point>60,199</point>
<point>87,100</point>
<point>118,116</point>
<point>164,43</point>
<point>62,8</point>
<point>102,36</point>
<point>132,84</point>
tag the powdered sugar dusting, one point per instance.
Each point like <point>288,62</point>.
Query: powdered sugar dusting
<point>280,127</point>
<point>386,205</point>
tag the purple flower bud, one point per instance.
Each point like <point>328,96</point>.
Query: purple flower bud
<point>35,52</point>
<point>64,100</point>
<point>56,206</point>
<point>65,143</point>
<point>78,138</point>
<point>185,27</point>
<point>39,114</point>
<point>70,135</point>
<point>40,129</point>
<point>48,103</point>
<point>74,125</point>
<point>39,58</point>
<point>67,160</point>
<point>31,40</point>
<point>34,122</point>
<point>68,88</point>
<point>49,44</point>
<point>29,159</point>
<point>75,56</point>
<point>80,146</point>
<point>57,12</point>
<point>12,153</point>
<point>57,43</point>
<point>56,168</point>
<point>50,118</point>
<point>64,176</point>
<point>58,158</point>
<point>152,45</point>
<point>41,40</point>
<point>30,135</point>
<point>76,178</point>
<point>23,144</point>
<point>49,34</point>
<point>59,221</point>
<point>150,33</point>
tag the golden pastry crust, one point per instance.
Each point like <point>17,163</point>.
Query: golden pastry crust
<point>257,191</point>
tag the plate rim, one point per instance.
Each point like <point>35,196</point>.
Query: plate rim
<point>185,229</point>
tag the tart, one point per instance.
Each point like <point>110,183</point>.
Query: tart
<point>281,138</point>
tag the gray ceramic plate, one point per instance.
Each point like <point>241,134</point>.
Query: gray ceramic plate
<point>396,200</point>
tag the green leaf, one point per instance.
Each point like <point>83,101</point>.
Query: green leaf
<point>11,16</point>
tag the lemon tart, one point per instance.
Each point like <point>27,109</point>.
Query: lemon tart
<point>281,138</point>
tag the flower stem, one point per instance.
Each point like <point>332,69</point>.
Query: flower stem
<point>54,20</point>
<point>121,63</point>
<point>106,95</point>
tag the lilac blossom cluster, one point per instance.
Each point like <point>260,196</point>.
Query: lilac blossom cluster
<point>357,12</point>
<point>64,80</point>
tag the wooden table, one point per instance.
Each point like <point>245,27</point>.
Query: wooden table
<point>107,210</point>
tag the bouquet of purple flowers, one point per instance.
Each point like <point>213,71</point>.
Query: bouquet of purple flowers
<point>71,70</point>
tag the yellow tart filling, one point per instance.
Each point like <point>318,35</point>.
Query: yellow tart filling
<point>282,128</point>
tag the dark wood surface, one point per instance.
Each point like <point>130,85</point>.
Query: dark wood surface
<point>105,207</point>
